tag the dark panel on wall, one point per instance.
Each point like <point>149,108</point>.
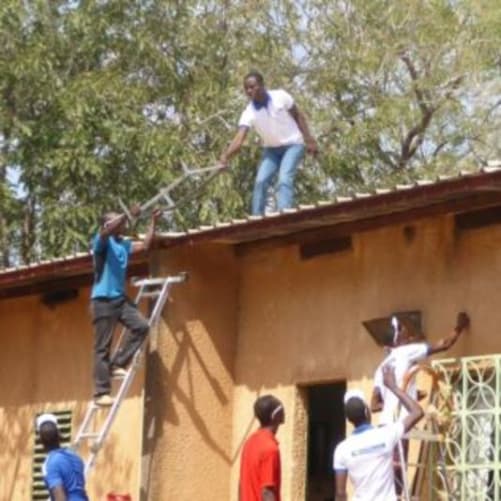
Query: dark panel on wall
<point>478,219</point>
<point>313,249</point>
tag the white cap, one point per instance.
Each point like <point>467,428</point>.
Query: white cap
<point>354,393</point>
<point>45,418</point>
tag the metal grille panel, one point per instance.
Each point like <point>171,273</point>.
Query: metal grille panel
<point>469,403</point>
<point>38,489</point>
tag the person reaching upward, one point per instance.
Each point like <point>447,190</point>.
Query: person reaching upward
<point>405,353</point>
<point>366,456</point>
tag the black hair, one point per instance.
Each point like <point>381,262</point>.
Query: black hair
<point>356,411</point>
<point>255,74</point>
<point>49,435</point>
<point>264,408</point>
<point>388,339</point>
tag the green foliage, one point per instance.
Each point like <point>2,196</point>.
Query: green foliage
<point>401,84</point>
<point>107,99</point>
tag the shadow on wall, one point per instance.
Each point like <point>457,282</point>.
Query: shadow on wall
<point>17,426</point>
<point>47,352</point>
<point>111,471</point>
<point>49,372</point>
<point>209,296</point>
<point>163,387</point>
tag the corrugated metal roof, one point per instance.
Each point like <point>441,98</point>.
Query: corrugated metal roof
<point>341,209</point>
<point>37,264</point>
<point>325,212</point>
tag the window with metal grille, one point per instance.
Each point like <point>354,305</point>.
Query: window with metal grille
<point>470,405</point>
<point>38,489</point>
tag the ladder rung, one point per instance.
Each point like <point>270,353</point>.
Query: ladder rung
<point>149,281</point>
<point>424,435</point>
<point>89,435</point>
<point>150,294</point>
<point>180,277</point>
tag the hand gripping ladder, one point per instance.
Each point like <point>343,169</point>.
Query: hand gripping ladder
<point>157,289</point>
<point>429,439</point>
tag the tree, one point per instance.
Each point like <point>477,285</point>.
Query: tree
<point>400,85</point>
<point>105,99</point>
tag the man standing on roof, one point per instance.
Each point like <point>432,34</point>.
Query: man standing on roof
<point>284,133</point>
<point>63,470</point>
<point>366,457</point>
<point>110,303</point>
<point>404,353</point>
<point>260,470</point>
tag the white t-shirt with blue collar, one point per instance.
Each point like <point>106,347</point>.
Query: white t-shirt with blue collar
<point>273,122</point>
<point>367,457</point>
<point>401,358</point>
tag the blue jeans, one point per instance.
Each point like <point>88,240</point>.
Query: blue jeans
<point>284,160</point>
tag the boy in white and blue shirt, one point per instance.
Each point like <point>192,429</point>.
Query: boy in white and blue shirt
<point>366,457</point>
<point>284,134</point>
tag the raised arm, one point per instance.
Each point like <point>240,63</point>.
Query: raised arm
<point>462,324</point>
<point>413,408</point>
<point>234,146</point>
<point>376,400</point>
<point>300,119</point>
<point>146,244</point>
<point>110,225</point>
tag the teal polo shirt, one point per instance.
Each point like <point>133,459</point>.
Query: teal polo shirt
<point>111,256</point>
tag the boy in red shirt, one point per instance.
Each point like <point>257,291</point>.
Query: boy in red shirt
<point>260,473</point>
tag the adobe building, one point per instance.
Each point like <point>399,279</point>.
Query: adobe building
<point>273,304</point>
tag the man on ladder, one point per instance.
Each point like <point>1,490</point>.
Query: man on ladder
<point>404,353</point>
<point>109,302</point>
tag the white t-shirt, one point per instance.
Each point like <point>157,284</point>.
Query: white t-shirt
<point>273,122</point>
<point>401,358</point>
<point>367,457</point>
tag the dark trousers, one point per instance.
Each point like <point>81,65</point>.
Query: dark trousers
<point>106,314</point>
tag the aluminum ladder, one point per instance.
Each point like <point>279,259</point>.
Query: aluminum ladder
<point>164,197</point>
<point>154,288</point>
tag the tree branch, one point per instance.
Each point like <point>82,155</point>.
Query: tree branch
<point>422,96</point>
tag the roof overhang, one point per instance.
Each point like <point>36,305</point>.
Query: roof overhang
<point>58,274</point>
<point>360,212</point>
<point>465,193</point>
